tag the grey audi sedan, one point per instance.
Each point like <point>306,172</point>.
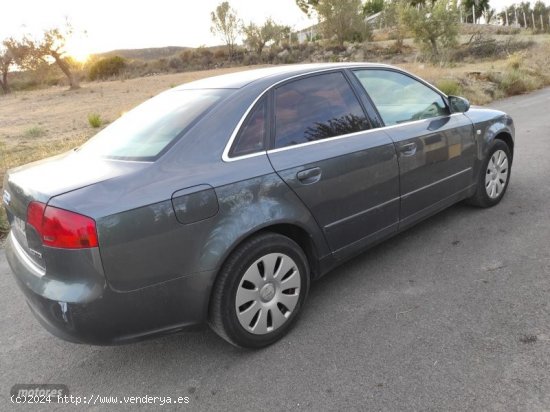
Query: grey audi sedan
<point>219,201</point>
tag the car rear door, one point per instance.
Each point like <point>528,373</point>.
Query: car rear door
<point>436,149</point>
<point>324,148</point>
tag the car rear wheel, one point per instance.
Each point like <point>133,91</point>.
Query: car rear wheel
<point>259,291</point>
<point>494,177</point>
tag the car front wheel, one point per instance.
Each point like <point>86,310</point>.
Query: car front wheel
<point>259,291</point>
<point>494,176</point>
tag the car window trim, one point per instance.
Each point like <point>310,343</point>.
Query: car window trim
<point>225,155</point>
<point>266,128</point>
<point>368,105</point>
<point>367,131</point>
<point>227,150</point>
<point>272,113</point>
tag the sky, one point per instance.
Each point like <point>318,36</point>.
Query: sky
<point>104,25</point>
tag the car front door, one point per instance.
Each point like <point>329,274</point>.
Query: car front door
<point>436,149</point>
<point>343,170</point>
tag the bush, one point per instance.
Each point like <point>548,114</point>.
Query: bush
<point>95,120</point>
<point>107,67</point>
<point>220,54</point>
<point>515,61</point>
<point>516,81</point>
<point>484,47</point>
<point>4,227</point>
<point>35,131</point>
<point>175,63</point>
<point>449,87</point>
<point>507,30</point>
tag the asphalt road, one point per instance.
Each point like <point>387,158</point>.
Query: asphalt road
<point>451,315</point>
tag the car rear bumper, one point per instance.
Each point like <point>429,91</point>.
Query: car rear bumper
<point>92,312</point>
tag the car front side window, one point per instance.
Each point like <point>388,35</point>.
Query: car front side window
<point>400,98</point>
<point>315,108</point>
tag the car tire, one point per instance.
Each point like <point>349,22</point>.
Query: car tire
<point>494,176</point>
<point>259,291</point>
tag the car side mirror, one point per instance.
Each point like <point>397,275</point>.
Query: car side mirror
<point>458,104</point>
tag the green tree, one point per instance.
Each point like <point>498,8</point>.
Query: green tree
<point>435,27</point>
<point>256,37</point>
<point>12,53</point>
<point>338,18</point>
<point>372,7</point>
<point>478,5</point>
<point>509,11</point>
<point>524,14</point>
<point>541,13</point>
<point>540,9</point>
<point>308,6</point>
<point>226,24</point>
<point>7,60</point>
<point>489,14</point>
<point>392,17</point>
<point>52,45</point>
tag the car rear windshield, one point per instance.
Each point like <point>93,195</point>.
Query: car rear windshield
<point>145,132</point>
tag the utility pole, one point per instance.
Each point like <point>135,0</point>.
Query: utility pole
<point>474,14</point>
<point>506,14</point>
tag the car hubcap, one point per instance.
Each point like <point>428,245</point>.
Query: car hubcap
<point>268,293</point>
<point>497,174</point>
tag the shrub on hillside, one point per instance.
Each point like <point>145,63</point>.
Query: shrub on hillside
<point>175,63</point>
<point>95,120</point>
<point>34,131</point>
<point>107,67</point>
<point>516,81</point>
<point>220,54</point>
<point>482,46</point>
<point>449,86</point>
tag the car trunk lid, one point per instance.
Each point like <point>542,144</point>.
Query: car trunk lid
<point>41,181</point>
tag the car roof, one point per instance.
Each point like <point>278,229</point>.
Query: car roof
<point>240,79</point>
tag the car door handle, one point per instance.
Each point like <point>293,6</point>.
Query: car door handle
<point>309,176</point>
<point>408,149</point>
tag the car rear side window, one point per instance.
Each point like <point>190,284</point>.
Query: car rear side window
<point>151,128</point>
<point>251,137</point>
<point>400,98</point>
<point>315,108</point>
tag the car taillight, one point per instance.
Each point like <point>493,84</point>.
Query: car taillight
<point>61,228</point>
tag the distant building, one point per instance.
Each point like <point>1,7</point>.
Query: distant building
<point>307,34</point>
<point>373,19</point>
